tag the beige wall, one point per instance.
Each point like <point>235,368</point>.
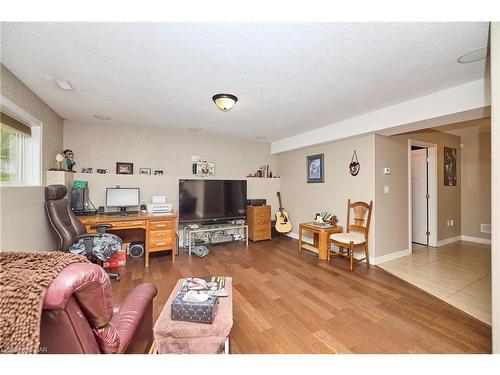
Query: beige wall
<point>476,176</point>
<point>52,124</point>
<point>23,223</point>
<point>169,186</point>
<point>303,200</point>
<point>101,145</point>
<point>392,208</point>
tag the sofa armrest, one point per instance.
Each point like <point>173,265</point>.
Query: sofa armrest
<point>132,313</point>
<point>90,286</point>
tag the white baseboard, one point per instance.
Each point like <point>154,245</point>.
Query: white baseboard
<point>446,241</point>
<point>486,241</point>
<point>391,256</point>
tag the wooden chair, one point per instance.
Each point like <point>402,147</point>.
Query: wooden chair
<point>356,234</point>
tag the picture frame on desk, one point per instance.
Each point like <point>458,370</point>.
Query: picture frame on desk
<point>145,171</point>
<point>124,168</point>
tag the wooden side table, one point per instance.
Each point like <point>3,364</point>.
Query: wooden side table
<point>321,236</point>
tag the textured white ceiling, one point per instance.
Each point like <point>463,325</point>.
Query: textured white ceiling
<point>289,78</point>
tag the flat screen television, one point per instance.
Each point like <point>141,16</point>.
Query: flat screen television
<point>212,200</point>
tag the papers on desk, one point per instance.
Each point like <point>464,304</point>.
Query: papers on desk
<point>159,199</point>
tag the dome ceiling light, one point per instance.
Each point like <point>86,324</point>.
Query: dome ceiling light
<point>474,55</point>
<point>224,101</point>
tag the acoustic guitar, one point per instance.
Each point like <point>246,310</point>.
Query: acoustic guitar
<point>283,224</point>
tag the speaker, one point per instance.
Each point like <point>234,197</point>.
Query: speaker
<point>100,210</point>
<point>79,198</point>
<point>136,249</point>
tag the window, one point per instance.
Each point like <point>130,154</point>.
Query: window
<point>19,152</point>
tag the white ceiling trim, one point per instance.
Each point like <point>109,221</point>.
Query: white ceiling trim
<point>462,98</point>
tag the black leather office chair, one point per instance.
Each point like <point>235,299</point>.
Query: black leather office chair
<point>68,228</point>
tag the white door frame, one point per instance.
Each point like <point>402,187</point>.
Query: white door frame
<point>433,192</point>
<point>495,185</point>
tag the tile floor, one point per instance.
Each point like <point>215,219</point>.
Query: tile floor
<point>459,273</point>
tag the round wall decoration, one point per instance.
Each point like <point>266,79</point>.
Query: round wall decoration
<point>354,166</point>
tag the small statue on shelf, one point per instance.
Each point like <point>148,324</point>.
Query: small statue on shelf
<point>318,219</point>
<point>68,156</point>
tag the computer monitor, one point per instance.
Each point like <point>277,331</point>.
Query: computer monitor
<point>122,198</point>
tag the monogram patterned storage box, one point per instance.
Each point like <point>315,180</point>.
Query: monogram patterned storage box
<point>200,312</point>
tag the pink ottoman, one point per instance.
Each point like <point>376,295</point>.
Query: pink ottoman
<point>178,337</point>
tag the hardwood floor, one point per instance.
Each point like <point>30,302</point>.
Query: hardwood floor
<point>286,302</point>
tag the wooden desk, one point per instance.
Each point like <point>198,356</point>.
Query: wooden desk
<point>321,236</point>
<point>159,230</point>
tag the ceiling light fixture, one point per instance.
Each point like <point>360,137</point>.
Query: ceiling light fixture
<point>224,101</point>
<point>473,55</point>
<point>102,117</point>
<point>64,85</point>
<point>260,137</point>
<point>194,129</point>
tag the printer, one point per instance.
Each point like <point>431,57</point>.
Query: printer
<point>159,208</point>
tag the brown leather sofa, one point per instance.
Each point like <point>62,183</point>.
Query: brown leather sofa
<point>79,316</point>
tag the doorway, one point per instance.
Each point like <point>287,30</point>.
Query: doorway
<point>422,193</point>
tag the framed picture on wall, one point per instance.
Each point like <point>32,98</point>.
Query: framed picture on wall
<point>315,168</point>
<point>450,166</point>
<point>124,168</point>
<point>145,171</point>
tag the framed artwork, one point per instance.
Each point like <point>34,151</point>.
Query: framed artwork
<point>124,168</point>
<point>450,166</point>
<point>158,172</point>
<point>145,171</point>
<point>315,168</point>
<point>87,170</point>
<point>205,168</point>
<point>102,171</point>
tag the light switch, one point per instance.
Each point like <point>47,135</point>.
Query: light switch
<point>195,158</point>
<point>386,189</point>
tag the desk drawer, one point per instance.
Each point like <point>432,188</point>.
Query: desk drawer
<point>160,244</point>
<point>165,235</point>
<point>262,230</point>
<point>128,224</point>
<point>161,225</point>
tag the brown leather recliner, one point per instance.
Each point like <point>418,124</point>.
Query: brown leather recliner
<point>79,316</point>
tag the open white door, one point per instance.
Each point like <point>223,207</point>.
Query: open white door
<point>419,196</point>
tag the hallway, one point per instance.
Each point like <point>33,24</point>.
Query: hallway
<point>458,273</point>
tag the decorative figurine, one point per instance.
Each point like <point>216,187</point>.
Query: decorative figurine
<point>70,163</point>
<point>59,162</point>
<point>318,219</point>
